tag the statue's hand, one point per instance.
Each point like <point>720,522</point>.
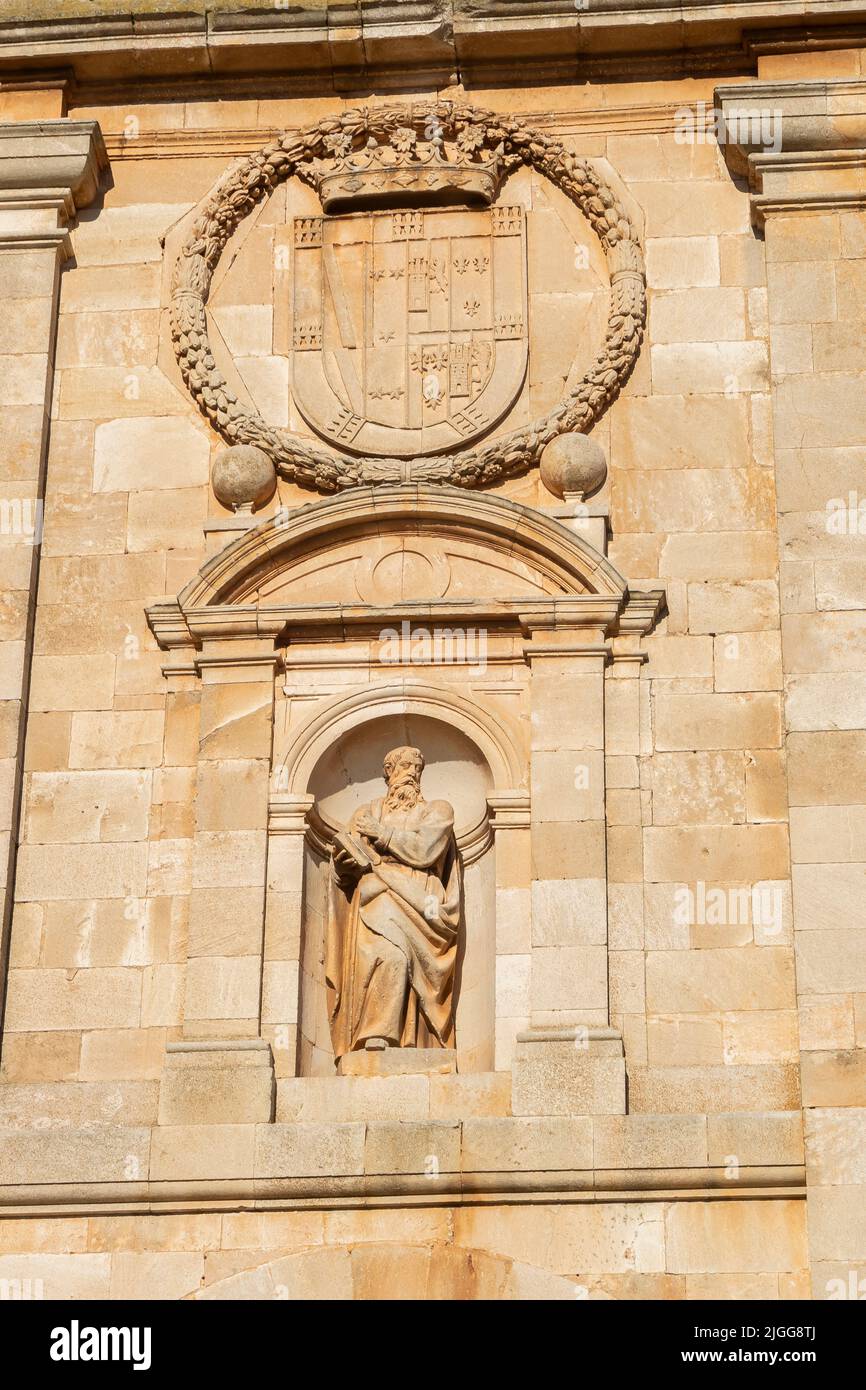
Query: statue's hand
<point>369,826</point>
<point>345,865</point>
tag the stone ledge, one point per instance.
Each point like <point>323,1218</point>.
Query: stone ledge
<point>359,1190</point>
<point>277,1161</point>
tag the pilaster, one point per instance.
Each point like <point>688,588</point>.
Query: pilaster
<point>222,1069</point>
<point>48,170</point>
<point>808,191</point>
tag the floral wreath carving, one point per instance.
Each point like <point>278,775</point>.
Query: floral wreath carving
<point>490,139</point>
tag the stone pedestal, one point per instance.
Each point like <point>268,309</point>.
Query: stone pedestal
<point>569,1071</point>
<point>229,1082</point>
<point>589,520</point>
<point>399,1061</point>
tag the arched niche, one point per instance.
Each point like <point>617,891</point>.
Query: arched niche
<point>347,774</point>
<point>393,702</point>
<point>295,667</point>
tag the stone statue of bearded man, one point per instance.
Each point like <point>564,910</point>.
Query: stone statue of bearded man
<point>393,920</point>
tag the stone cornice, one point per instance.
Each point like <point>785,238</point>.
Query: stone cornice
<point>387,39</point>
<point>175,627</point>
<point>780,119</point>
<point>796,183</point>
<point>372,1190</point>
<point>801,145</point>
<point>63,160</point>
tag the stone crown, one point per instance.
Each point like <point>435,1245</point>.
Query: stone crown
<point>407,171</point>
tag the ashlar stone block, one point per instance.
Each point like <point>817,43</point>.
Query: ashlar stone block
<point>568,1072</point>
<point>217,1083</point>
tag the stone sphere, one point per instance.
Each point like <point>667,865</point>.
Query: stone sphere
<point>573,464</point>
<point>243,477</point>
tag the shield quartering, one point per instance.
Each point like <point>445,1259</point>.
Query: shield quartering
<point>409,328</point>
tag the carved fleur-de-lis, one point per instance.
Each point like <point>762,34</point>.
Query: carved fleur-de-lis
<point>471,307</point>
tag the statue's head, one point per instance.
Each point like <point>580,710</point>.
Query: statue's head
<point>403,765</point>
<point>402,769</point>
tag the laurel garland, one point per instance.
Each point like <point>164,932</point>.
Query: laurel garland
<point>301,459</point>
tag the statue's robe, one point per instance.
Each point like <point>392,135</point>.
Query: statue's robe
<point>392,934</point>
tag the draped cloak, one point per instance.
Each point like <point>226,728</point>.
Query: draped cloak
<point>391,941</point>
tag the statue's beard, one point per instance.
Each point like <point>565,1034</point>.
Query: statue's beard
<point>404,790</point>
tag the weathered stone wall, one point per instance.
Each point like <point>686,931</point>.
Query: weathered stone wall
<point>643,1250</point>
<point>733,837</point>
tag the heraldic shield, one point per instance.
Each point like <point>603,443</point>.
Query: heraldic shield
<point>409,328</point>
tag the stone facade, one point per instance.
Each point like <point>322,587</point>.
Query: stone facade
<point>512,413</point>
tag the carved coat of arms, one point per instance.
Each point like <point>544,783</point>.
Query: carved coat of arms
<point>409,334</point>
<point>409,328</point>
